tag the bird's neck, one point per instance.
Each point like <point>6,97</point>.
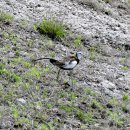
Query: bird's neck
<point>77,60</point>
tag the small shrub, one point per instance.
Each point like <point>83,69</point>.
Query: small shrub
<point>95,104</point>
<point>5,17</point>
<point>85,117</point>
<point>78,41</point>
<point>52,28</point>
<point>92,53</point>
<point>89,91</point>
<point>116,118</point>
<point>125,68</point>
<point>12,77</point>
<point>125,97</point>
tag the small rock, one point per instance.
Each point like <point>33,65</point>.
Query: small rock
<point>108,85</point>
<point>21,101</point>
<point>38,108</point>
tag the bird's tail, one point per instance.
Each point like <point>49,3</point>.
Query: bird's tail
<point>41,59</point>
<point>53,61</point>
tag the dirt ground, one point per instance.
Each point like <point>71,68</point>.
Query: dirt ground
<point>104,27</point>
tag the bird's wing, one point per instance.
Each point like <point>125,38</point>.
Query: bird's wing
<point>56,62</point>
<point>69,59</point>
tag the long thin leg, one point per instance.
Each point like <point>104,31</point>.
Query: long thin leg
<point>71,74</point>
<point>58,75</point>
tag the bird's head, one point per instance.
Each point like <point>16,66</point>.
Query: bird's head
<point>79,55</point>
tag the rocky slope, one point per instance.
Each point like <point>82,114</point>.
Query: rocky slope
<point>99,98</point>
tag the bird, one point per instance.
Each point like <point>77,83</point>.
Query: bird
<point>68,63</point>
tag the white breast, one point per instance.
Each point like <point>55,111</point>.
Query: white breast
<point>70,65</point>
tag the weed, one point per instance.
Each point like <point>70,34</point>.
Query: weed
<point>92,53</point>
<point>17,53</point>
<point>53,55</point>
<point>49,106</point>
<point>72,96</point>
<point>12,77</point>
<point>116,118</point>
<point>80,114</point>
<point>62,94</point>
<point>35,72</point>
<point>125,97</point>
<point>77,41</point>
<point>23,23</point>
<point>114,101</point>
<point>52,28</point>
<point>35,27</point>
<point>26,64</point>
<point>85,117</point>
<point>44,95</point>
<point>16,60</point>
<point>128,1</point>
<point>125,68</point>
<point>44,127</point>
<point>122,61</point>
<point>90,92</point>
<point>15,112</point>
<point>96,104</point>
<point>67,108</point>
<point>92,4</point>
<point>29,43</point>
<point>74,81</point>
<point>124,108</point>
<point>6,17</point>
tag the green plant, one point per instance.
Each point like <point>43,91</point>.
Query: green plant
<point>17,53</point>
<point>77,41</point>
<point>128,1</point>
<point>92,53</point>
<point>26,64</point>
<point>85,117</point>
<point>12,77</point>
<point>49,106</point>
<point>5,17</point>
<point>52,28</point>
<point>35,72</point>
<point>124,108</point>
<point>114,101</point>
<point>29,43</point>
<point>72,96</point>
<point>88,91</point>
<point>44,127</point>
<point>80,114</point>
<point>125,68</point>
<point>125,97</point>
<point>115,116</point>
<point>15,112</point>
<point>23,23</point>
<point>96,104</point>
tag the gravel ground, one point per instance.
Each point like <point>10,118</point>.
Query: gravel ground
<point>104,26</point>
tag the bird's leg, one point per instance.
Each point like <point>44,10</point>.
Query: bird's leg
<point>58,75</point>
<point>71,74</point>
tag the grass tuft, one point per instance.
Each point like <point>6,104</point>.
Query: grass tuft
<point>52,28</point>
<point>6,17</point>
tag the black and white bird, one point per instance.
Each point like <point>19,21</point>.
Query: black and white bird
<point>68,63</point>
